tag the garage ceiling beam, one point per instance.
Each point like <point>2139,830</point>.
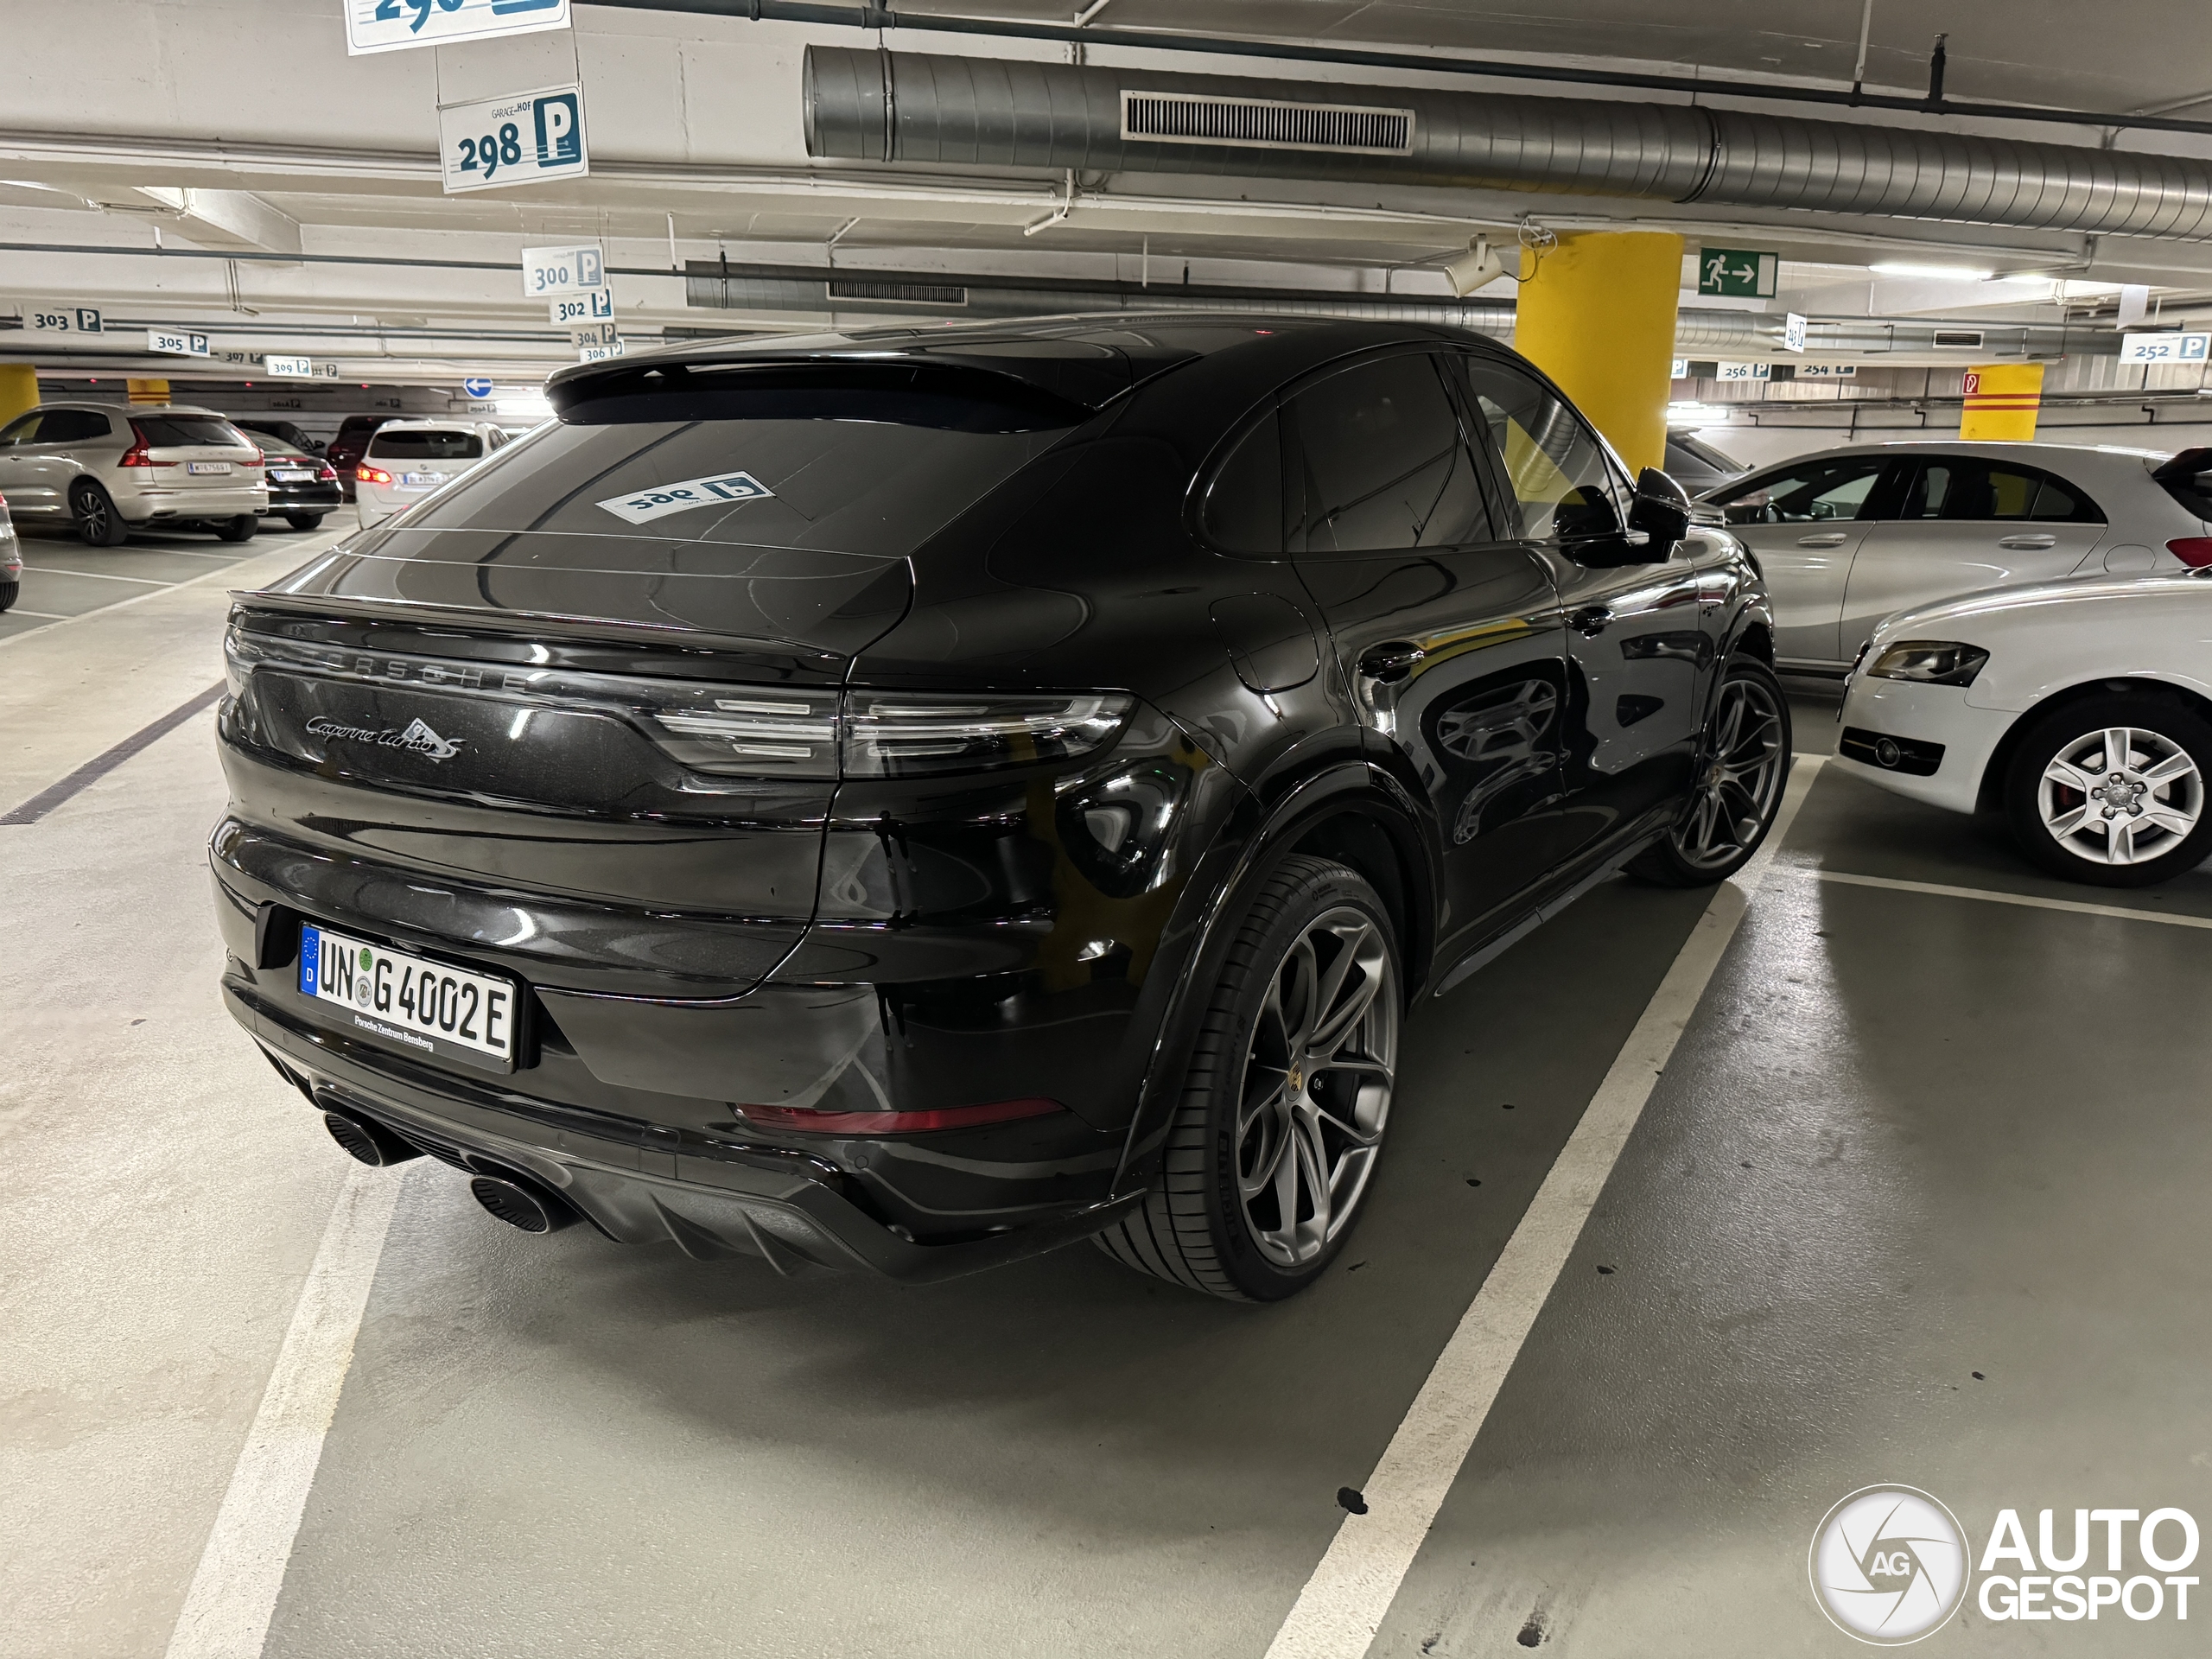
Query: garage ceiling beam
<point>880,17</point>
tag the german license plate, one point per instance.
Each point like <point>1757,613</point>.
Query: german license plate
<point>199,466</point>
<point>422,481</point>
<point>289,475</point>
<point>427,1008</point>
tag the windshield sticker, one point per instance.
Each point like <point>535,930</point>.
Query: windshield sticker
<point>643,505</point>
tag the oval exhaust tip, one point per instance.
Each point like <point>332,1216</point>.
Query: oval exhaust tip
<point>520,1205</point>
<point>369,1141</point>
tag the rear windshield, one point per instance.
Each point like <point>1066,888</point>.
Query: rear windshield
<point>171,431</point>
<point>854,462</point>
<point>388,445</point>
<point>2188,479</point>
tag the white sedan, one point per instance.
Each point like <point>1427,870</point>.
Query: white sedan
<point>407,459</point>
<point>2081,709</point>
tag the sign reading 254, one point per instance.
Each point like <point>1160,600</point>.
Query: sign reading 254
<point>525,138</point>
<point>394,25</point>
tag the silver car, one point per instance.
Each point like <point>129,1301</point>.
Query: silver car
<point>1848,536</point>
<point>109,468</point>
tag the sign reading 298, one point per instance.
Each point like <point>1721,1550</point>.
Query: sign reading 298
<point>525,138</point>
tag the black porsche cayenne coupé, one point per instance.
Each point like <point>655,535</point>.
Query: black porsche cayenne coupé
<point>917,799</point>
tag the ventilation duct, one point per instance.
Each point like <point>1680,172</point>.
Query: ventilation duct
<point>898,106</point>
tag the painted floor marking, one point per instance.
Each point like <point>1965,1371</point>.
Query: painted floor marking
<point>233,1594</point>
<point>1342,1605</point>
<point>2125,913</point>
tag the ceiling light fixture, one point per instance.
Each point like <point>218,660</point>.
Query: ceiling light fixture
<point>1937,273</point>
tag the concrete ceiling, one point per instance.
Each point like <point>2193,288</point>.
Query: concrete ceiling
<point>127,122</point>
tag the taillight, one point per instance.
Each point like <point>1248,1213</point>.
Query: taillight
<point>326,474</point>
<point>259,460</point>
<point>898,734</point>
<point>136,456</point>
<point>2195,551</point>
<point>917,1123</point>
<point>369,474</point>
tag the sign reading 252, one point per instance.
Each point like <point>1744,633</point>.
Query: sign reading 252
<point>394,25</point>
<point>525,138</point>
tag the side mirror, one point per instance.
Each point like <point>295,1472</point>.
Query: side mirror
<point>1661,511</point>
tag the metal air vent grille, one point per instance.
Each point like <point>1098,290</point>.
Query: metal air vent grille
<point>1263,124</point>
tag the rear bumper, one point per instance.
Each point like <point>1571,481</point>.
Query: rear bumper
<point>712,1197</point>
<point>304,497</point>
<point>147,506</point>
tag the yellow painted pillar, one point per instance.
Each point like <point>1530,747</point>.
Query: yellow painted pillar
<point>1597,313</point>
<point>2003,400</point>
<point>153,393</point>
<point>18,389</point>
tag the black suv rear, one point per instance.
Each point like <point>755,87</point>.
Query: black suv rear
<point>917,800</point>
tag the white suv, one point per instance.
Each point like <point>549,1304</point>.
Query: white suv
<point>110,468</point>
<point>407,459</point>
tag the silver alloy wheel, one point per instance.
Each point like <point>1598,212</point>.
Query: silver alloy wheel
<point>1742,781</point>
<point>2123,795</point>
<point>1316,1089</point>
<point>92,510</point>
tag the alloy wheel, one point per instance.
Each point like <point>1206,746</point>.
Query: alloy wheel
<point>1316,1088</point>
<point>1742,781</point>
<point>2122,795</point>
<point>93,517</point>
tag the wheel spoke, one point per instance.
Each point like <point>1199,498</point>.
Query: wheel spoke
<point>2177,824</point>
<point>1351,1007</point>
<point>2175,766</point>
<point>2119,744</point>
<point>2061,771</point>
<point>2068,823</point>
<point>2119,840</point>
<point>1314,1172</point>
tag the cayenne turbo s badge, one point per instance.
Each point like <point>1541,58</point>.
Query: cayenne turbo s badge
<point>416,737</point>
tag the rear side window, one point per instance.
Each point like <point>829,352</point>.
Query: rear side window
<point>1384,462</point>
<point>23,430</point>
<point>74,426</point>
<point>1242,509</point>
<point>177,431</point>
<point>1811,492</point>
<point>1983,491</point>
<point>408,445</point>
<point>858,461</point>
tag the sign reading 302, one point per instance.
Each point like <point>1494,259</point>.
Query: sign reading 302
<point>526,138</point>
<point>395,25</point>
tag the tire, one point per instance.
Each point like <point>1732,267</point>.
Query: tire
<point>99,525</point>
<point>1215,1220</point>
<point>1744,765</point>
<point>304,520</point>
<point>240,529</point>
<point>9,591</point>
<point>2159,811</point>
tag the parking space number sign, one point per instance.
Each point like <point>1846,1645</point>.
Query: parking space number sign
<point>548,271</point>
<point>61,319</point>
<point>526,138</point>
<point>176,343</point>
<point>395,25</point>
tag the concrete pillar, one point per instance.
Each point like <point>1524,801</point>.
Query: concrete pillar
<point>152,392</point>
<point>2002,401</point>
<point>1597,313</point>
<point>18,389</point>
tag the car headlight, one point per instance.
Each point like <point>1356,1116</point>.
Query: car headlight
<point>1930,662</point>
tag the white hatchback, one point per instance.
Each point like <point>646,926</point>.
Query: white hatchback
<point>407,459</point>
<point>2082,710</point>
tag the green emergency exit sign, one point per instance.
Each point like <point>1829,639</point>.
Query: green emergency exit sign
<point>1741,273</point>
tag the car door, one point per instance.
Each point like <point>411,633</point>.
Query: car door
<point>1804,523</point>
<point>1446,632</point>
<point>1640,635</point>
<point>70,445</point>
<point>14,473</point>
<point>1963,523</point>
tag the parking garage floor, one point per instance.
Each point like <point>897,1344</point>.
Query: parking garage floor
<point>1916,1199</point>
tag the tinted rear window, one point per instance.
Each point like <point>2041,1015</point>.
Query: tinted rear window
<point>173,431</point>
<point>850,461</point>
<point>388,445</point>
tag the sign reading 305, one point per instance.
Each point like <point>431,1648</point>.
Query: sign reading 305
<point>523,139</point>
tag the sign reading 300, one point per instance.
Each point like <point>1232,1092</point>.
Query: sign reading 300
<point>523,139</point>
<point>395,25</point>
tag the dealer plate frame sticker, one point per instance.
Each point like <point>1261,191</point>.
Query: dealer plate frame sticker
<point>368,981</point>
<point>718,489</point>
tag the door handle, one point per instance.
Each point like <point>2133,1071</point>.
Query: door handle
<point>1590,621</point>
<point>1831,539</point>
<point>2025,543</point>
<point>1392,660</point>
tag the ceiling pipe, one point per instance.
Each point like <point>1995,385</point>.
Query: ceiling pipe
<point>932,110</point>
<point>883,18</point>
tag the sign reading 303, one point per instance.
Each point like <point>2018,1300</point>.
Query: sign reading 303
<point>524,139</point>
<point>395,25</point>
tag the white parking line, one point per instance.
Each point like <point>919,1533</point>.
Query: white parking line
<point>2125,913</point>
<point>1342,1605</point>
<point>98,575</point>
<point>43,616</point>
<point>233,1594</point>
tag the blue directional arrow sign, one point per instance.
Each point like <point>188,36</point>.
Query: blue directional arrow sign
<point>477,387</point>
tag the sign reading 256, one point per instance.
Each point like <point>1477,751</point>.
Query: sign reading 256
<point>394,25</point>
<point>525,138</point>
